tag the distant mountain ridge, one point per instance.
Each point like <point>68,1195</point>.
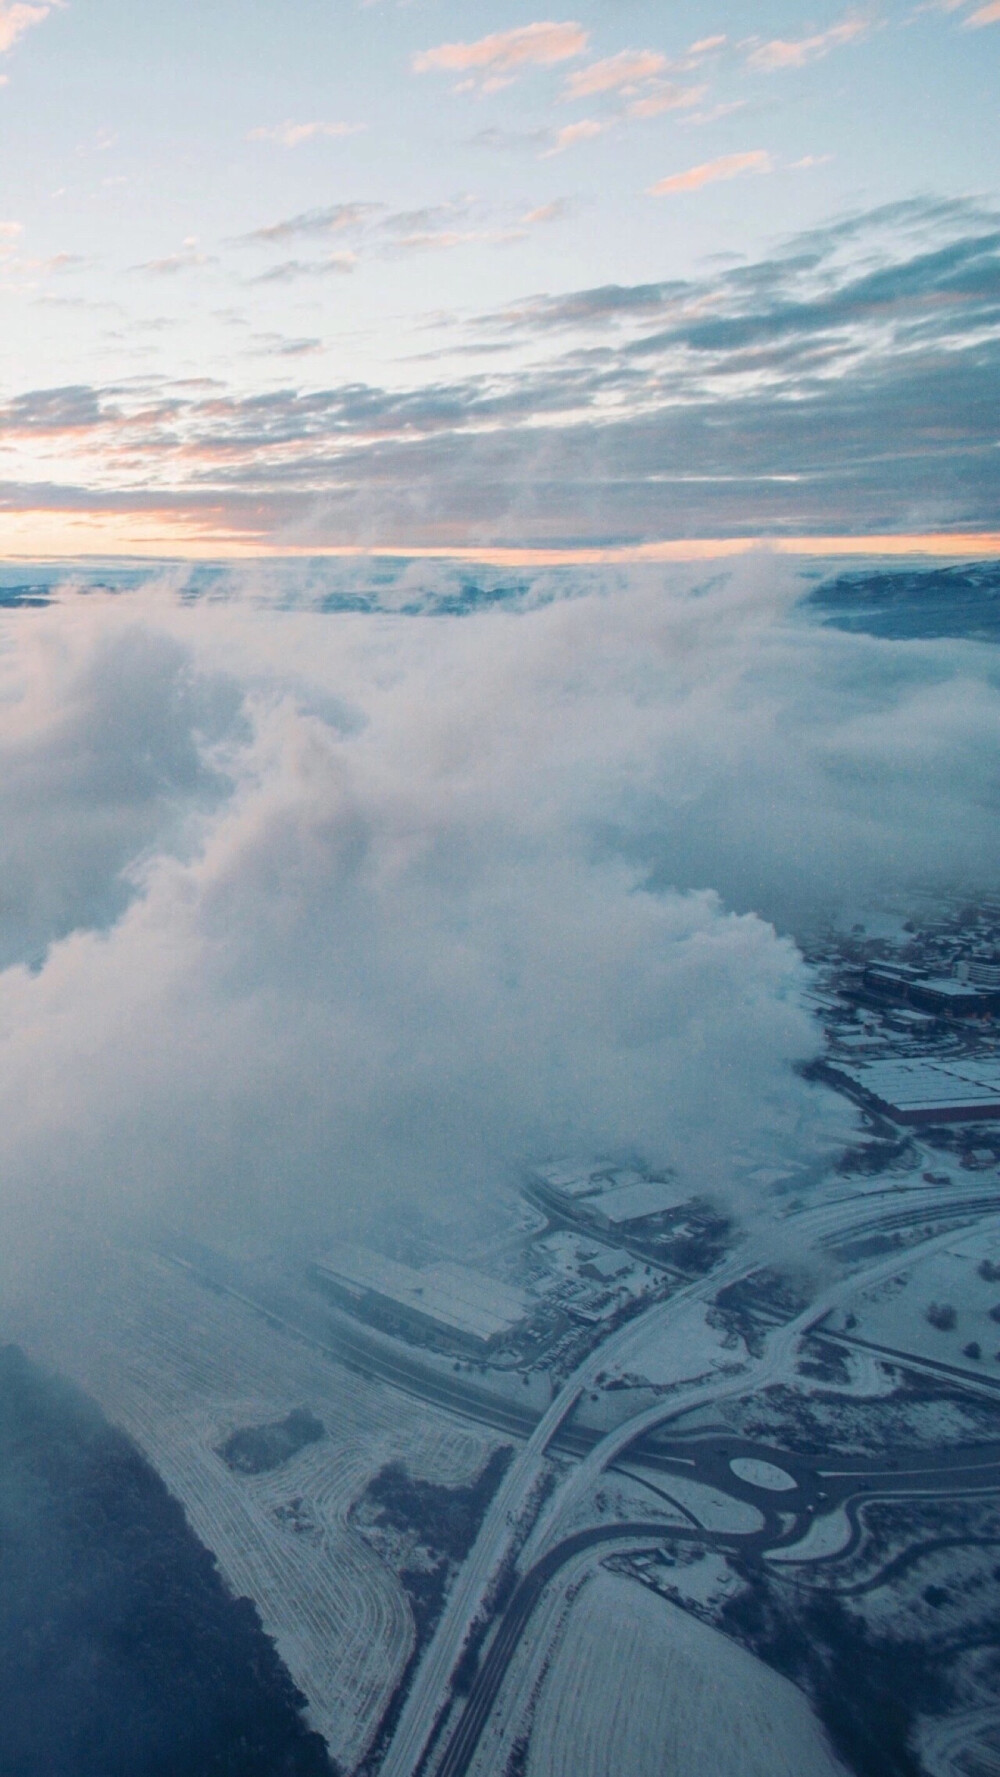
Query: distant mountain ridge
<point>961,601</point>
<point>913,603</point>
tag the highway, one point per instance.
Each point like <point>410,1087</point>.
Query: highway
<point>502,1534</point>
<point>815,1487</point>
<point>776,1361</point>
<point>428,1694</point>
<point>497,1537</point>
<point>489,1679</point>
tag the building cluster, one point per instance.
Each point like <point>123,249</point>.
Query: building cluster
<point>938,996</point>
<point>604,1197</point>
<point>913,1025</point>
<point>919,1089</point>
<point>913,1035</point>
<point>586,1262</point>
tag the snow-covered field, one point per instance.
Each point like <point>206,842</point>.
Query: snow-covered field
<point>636,1687</point>
<point>511,1719</point>
<point>624,1498</point>
<point>895,1314</point>
<point>179,1368</point>
<point>762,1474</point>
<point>689,1348</point>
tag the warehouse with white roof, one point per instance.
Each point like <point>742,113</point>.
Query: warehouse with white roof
<point>921,1089</point>
<point>605,1195</point>
<point>466,1307</point>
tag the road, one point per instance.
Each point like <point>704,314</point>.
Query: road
<point>814,1487</point>
<point>497,1537</point>
<point>501,1532</point>
<point>429,1692</point>
<point>489,1679</point>
<point>777,1360</point>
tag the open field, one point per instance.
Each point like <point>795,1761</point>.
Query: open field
<point>180,1369</point>
<point>946,1285</point>
<point>639,1686</point>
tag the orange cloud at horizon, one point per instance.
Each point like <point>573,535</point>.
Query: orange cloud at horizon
<point>41,535</point>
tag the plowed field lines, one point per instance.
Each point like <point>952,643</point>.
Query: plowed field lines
<point>637,1685</point>
<point>179,1369</point>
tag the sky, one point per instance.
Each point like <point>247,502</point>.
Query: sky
<point>421,276</point>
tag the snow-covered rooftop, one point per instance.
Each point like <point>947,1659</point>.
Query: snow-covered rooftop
<point>572,1178</point>
<point>651,1197</point>
<point>459,1299</point>
<point>919,1083</point>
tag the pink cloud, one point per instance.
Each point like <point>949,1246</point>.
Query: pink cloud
<point>553,212</point>
<point>782,52</point>
<point>584,131</point>
<point>666,97</point>
<point>17,18</point>
<point>984,15</point>
<point>728,166</point>
<point>630,68</point>
<point>504,52</point>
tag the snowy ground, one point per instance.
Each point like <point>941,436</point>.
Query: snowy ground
<point>826,1537</point>
<point>687,1350</point>
<point>895,1314</point>
<point>637,1687</point>
<point>179,1368</point>
<point>510,1722</point>
<point>762,1474</point>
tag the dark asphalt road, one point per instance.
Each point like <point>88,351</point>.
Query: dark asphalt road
<point>820,1483</point>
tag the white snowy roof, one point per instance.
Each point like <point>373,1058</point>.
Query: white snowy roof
<point>572,1178</point>
<point>455,1297</point>
<point>650,1198</point>
<point>918,1082</point>
<point>948,986</point>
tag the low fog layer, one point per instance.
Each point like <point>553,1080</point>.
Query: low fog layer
<point>305,915</point>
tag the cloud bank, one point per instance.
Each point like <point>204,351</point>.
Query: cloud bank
<point>847,383</point>
<point>307,917</point>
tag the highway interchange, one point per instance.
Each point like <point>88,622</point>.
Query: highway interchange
<point>532,1543</point>
<point>538,1559</point>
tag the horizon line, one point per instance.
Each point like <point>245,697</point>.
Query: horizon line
<point>967,545</point>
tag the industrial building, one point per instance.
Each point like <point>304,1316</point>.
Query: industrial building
<point>617,1208</point>
<point>920,1089</point>
<point>605,1196</point>
<point>450,1301</point>
<point>562,1181</point>
<point>983,971</point>
<point>941,995</point>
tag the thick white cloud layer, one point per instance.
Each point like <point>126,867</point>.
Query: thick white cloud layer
<point>306,916</point>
